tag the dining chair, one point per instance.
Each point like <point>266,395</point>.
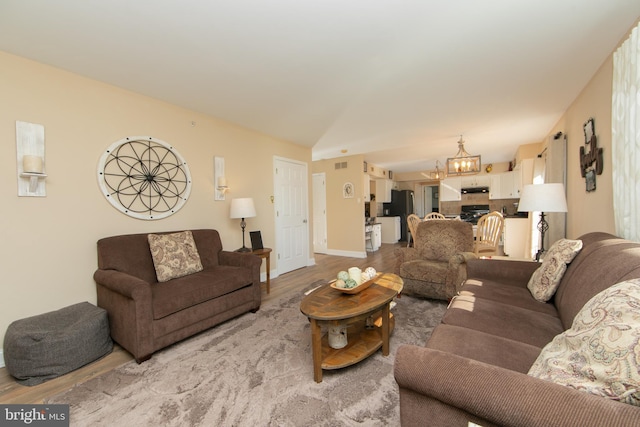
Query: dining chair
<point>412,222</point>
<point>434,215</point>
<point>488,234</point>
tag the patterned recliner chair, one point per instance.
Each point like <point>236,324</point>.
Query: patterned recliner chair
<point>436,265</point>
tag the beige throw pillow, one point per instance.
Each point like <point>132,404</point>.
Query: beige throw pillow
<point>545,280</point>
<point>174,255</point>
<point>600,353</point>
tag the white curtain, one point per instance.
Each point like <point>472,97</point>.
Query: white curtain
<point>625,137</point>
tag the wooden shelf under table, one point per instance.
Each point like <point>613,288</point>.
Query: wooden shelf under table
<point>361,343</point>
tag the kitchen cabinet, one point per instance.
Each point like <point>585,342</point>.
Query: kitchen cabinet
<point>383,190</point>
<point>366,188</point>
<point>390,230</point>
<point>508,185</point>
<point>517,238</point>
<point>475,181</point>
<point>526,174</point>
<point>504,185</point>
<point>450,189</point>
<point>494,187</point>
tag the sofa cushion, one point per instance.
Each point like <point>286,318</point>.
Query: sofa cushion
<point>599,354</point>
<point>174,255</point>
<point>503,320</point>
<point>187,291</point>
<point>603,261</point>
<point>493,290</point>
<point>545,280</point>
<point>441,239</point>
<point>483,347</point>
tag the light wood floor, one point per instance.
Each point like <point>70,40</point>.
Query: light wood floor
<point>326,268</point>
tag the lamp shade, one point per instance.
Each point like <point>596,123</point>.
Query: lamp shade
<point>543,198</point>
<point>242,208</point>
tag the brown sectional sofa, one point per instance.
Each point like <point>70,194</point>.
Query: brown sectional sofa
<point>474,366</point>
<point>145,316</point>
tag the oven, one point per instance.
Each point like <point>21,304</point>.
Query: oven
<point>472,213</point>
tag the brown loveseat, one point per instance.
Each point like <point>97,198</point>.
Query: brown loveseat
<point>437,261</point>
<point>145,315</point>
<point>474,366</point>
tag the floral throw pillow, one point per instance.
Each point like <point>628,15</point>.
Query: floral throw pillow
<point>545,280</point>
<point>174,255</point>
<point>599,353</point>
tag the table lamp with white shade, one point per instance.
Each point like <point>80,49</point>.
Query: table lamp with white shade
<point>543,198</point>
<point>243,208</point>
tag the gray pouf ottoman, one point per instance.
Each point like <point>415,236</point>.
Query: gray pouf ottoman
<point>39,348</point>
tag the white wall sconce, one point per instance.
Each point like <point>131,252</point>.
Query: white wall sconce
<point>30,159</point>
<point>219,179</point>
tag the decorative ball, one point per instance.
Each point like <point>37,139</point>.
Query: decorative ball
<point>340,283</point>
<point>350,283</point>
<point>365,276</point>
<point>343,275</point>
<point>371,272</point>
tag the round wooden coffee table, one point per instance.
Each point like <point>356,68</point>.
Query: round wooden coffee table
<point>331,307</point>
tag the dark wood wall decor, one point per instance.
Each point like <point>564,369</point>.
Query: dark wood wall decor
<point>591,159</point>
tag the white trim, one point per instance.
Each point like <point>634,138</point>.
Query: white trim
<point>352,254</point>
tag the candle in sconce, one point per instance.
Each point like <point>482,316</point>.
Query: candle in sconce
<point>32,164</point>
<point>222,181</point>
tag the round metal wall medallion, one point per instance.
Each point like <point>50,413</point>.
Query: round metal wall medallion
<point>144,177</point>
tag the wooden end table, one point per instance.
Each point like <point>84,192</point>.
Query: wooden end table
<point>331,307</point>
<point>265,253</point>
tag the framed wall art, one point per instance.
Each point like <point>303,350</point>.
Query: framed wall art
<point>347,190</point>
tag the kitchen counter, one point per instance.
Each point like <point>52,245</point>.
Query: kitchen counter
<point>517,215</point>
<point>390,228</point>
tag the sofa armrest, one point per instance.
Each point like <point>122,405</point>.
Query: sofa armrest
<point>461,258</point>
<point>128,302</point>
<point>458,273</point>
<point>123,284</point>
<point>239,259</point>
<point>501,396</point>
<point>245,260</point>
<point>515,273</point>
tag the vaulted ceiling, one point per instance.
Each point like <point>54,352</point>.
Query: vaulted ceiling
<point>396,80</point>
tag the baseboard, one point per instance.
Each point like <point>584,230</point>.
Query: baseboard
<point>350,254</point>
<point>1,358</point>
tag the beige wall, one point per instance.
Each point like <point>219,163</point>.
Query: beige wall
<point>591,211</point>
<point>48,249</point>
<point>345,217</point>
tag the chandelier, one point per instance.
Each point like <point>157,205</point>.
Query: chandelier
<point>437,174</point>
<point>463,163</point>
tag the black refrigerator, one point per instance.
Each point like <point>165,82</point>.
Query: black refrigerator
<point>401,205</point>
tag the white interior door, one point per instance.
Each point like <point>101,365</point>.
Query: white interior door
<point>292,227</point>
<point>319,213</point>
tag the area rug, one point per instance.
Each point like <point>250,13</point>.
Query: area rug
<point>254,370</point>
